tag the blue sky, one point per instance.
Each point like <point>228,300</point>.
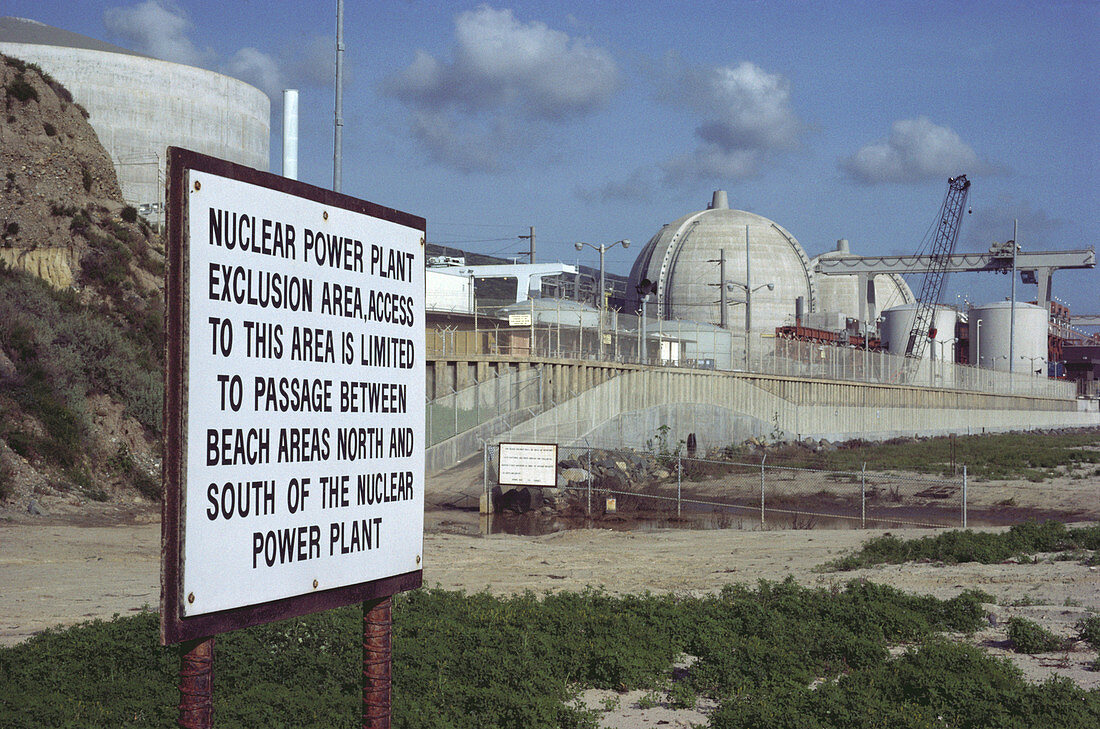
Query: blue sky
<point>599,121</point>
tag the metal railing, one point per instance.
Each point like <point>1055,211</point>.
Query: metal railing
<point>502,396</point>
<point>566,333</point>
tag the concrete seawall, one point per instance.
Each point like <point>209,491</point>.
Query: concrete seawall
<point>627,406</point>
<point>721,409</point>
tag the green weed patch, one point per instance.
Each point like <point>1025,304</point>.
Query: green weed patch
<point>1034,456</point>
<point>481,661</point>
<point>969,546</point>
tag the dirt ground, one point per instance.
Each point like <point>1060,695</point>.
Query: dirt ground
<point>66,568</point>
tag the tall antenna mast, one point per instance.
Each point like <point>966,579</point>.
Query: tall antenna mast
<point>338,136</point>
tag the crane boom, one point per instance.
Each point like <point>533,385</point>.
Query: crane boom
<point>943,246</point>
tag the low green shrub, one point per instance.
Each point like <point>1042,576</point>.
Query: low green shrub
<point>123,463</point>
<point>107,266</point>
<point>931,686</point>
<point>1088,630</point>
<point>682,696</point>
<point>64,351</point>
<point>970,546</point>
<point>1028,636</point>
<point>471,661</point>
<point>7,481</point>
<point>995,456</point>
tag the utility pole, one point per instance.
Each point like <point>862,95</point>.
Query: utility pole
<point>1012,306</point>
<point>531,238</point>
<point>723,309</point>
<point>748,303</point>
<point>338,134</point>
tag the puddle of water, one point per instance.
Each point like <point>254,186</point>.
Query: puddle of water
<point>696,516</point>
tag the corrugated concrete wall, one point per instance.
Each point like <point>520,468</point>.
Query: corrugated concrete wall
<point>722,408</point>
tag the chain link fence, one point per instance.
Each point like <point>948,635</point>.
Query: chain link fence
<point>507,395</point>
<point>639,488</point>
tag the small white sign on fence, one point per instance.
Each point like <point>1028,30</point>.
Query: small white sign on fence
<point>528,464</point>
<point>519,320</point>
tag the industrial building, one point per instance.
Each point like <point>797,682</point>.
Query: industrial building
<point>728,289</point>
<point>139,106</point>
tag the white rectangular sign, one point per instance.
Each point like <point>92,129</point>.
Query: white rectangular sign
<point>304,413</point>
<point>528,464</point>
<point>519,320</point>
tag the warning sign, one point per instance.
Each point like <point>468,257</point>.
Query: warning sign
<point>528,464</point>
<point>298,315</point>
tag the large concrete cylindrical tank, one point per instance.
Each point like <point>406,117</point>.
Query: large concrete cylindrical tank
<point>898,323</point>
<point>139,106</point>
<point>990,336</point>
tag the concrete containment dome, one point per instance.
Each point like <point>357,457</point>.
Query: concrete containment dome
<point>681,260</point>
<point>139,106</point>
<point>841,293</point>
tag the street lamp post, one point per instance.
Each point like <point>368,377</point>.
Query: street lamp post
<point>603,300</point>
<point>943,358</point>
<point>748,288</point>
<point>748,316</point>
<point>1032,360</point>
<point>978,344</point>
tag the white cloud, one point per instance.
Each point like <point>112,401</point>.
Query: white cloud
<point>993,223</point>
<point>501,64</point>
<point>257,68</point>
<point>745,117</point>
<point>155,30</point>
<point>916,150</point>
<point>456,145</point>
<point>159,30</point>
<point>314,63</point>
<point>506,84</point>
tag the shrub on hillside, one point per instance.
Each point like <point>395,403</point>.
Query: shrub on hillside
<point>19,89</point>
<point>64,351</point>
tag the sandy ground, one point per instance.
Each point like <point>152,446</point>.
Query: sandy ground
<point>61,570</point>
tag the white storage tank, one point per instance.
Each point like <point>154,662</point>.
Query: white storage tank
<point>898,322</point>
<point>990,335</point>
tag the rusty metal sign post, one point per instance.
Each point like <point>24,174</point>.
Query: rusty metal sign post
<point>377,663</point>
<point>294,414</point>
<point>196,709</point>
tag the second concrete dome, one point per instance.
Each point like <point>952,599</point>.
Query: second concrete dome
<point>681,260</point>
